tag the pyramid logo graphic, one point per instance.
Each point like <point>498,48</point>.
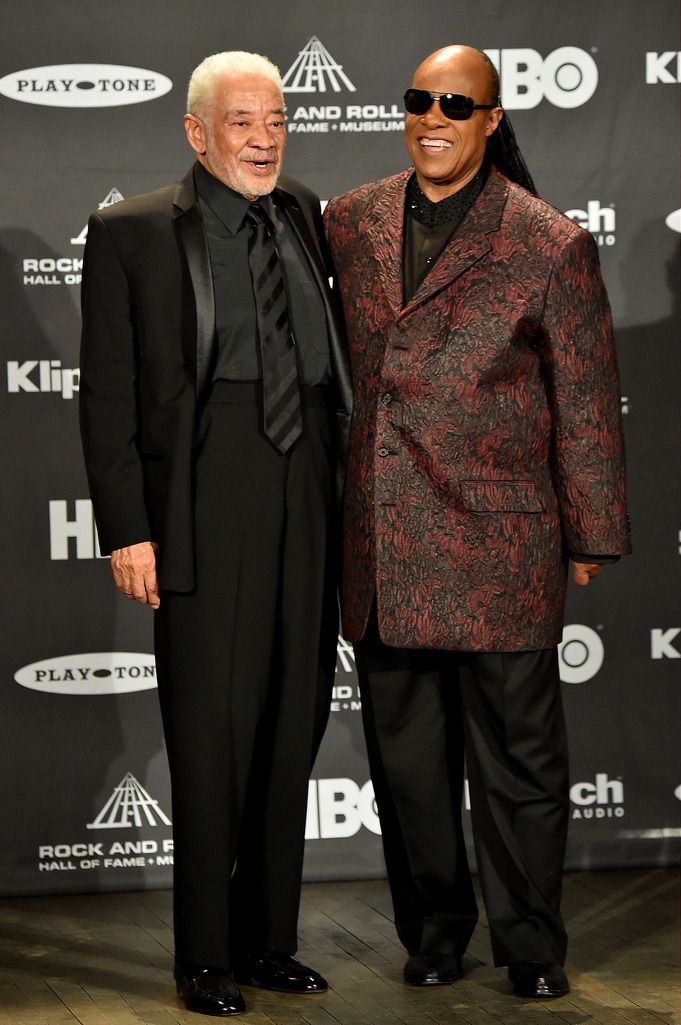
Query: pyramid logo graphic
<point>129,805</point>
<point>114,196</point>
<point>315,71</point>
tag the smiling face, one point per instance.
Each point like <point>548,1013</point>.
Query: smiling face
<point>447,154</point>
<point>241,137</point>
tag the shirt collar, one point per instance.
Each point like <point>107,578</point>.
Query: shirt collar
<point>452,209</point>
<point>229,206</point>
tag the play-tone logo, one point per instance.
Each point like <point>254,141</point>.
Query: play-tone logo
<point>84,85</point>
<point>315,71</point>
<point>90,673</point>
<point>580,653</point>
<point>673,220</point>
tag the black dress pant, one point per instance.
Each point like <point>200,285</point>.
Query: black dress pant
<point>418,705</point>
<point>245,669</point>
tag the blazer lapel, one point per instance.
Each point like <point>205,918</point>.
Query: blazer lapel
<point>469,242</point>
<point>382,230</point>
<point>306,237</point>
<point>311,246</point>
<point>193,240</point>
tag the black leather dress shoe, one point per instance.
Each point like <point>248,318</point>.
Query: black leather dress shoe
<point>538,980</point>
<point>280,973</point>
<point>208,991</point>
<point>432,969</point>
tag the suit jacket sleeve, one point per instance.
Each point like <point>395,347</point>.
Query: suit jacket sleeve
<point>583,387</point>
<point>108,409</point>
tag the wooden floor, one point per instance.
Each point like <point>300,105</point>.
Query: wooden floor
<point>106,960</point>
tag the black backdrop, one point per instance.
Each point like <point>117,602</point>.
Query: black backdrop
<point>91,99</point>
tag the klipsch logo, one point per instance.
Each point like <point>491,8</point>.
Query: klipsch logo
<point>663,67</point>
<point>88,673</point>
<point>602,799</point>
<point>599,220</point>
<point>662,642</point>
<point>84,85</point>
<point>42,375</point>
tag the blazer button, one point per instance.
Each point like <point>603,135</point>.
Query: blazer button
<point>387,399</point>
<point>383,451</point>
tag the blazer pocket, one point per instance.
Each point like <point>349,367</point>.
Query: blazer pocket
<point>483,496</point>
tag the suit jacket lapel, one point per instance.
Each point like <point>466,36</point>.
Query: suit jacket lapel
<point>382,229</point>
<point>469,242</point>
<point>193,240</point>
<point>311,247</point>
<point>305,235</point>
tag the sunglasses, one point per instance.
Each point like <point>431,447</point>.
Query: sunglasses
<point>453,105</point>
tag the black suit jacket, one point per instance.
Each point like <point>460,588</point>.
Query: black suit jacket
<point>147,353</point>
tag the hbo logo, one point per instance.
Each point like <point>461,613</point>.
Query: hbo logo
<point>567,77</point>
<point>580,653</point>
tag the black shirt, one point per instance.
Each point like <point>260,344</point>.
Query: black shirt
<point>223,211</point>
<point>429,226</point>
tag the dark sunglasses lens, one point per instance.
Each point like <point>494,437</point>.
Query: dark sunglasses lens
<point>456,107</point>
<point>417,101</point>
<point>453,105</point>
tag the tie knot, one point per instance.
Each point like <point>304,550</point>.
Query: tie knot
<point>256,215</point>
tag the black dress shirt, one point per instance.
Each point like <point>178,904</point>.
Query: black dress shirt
<point>223,211</point>
<point>429,226</point>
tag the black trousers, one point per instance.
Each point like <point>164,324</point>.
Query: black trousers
<point>245,669</point>
<point>418,706</point>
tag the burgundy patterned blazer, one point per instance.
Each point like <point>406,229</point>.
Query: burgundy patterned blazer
<point>486,441</point>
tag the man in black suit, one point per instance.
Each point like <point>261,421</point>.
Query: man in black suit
<point>212,437</point>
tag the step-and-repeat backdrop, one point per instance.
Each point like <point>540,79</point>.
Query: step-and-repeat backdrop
<point>91,99</point>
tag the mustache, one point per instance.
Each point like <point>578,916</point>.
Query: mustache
<point>269,155</point>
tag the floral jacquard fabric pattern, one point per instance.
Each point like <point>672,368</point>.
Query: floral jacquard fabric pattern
<point>486,443</point>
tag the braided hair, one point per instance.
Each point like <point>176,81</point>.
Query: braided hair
<point>502,145</point>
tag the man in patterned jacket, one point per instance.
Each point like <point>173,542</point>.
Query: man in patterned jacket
<point>486,452</point>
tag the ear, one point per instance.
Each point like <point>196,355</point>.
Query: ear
<point>196,133</point>
<point>493,119</point>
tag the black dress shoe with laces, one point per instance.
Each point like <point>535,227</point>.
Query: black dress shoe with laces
<point>209,991</point>
<point>280,973</point>
<point>432,969</point>
<point>538,980</point>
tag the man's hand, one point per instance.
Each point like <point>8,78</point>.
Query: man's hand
<point>583,572</point>
<point>134,572</point>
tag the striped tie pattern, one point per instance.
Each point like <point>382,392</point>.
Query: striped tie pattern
<point>282,416</point>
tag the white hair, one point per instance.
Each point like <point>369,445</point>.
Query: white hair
<point>219,65</point>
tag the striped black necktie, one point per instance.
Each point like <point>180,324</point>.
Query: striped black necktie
<point>282,416</point>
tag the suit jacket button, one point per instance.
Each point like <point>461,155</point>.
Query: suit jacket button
<point>383,451</point>
<point>387,399</point>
